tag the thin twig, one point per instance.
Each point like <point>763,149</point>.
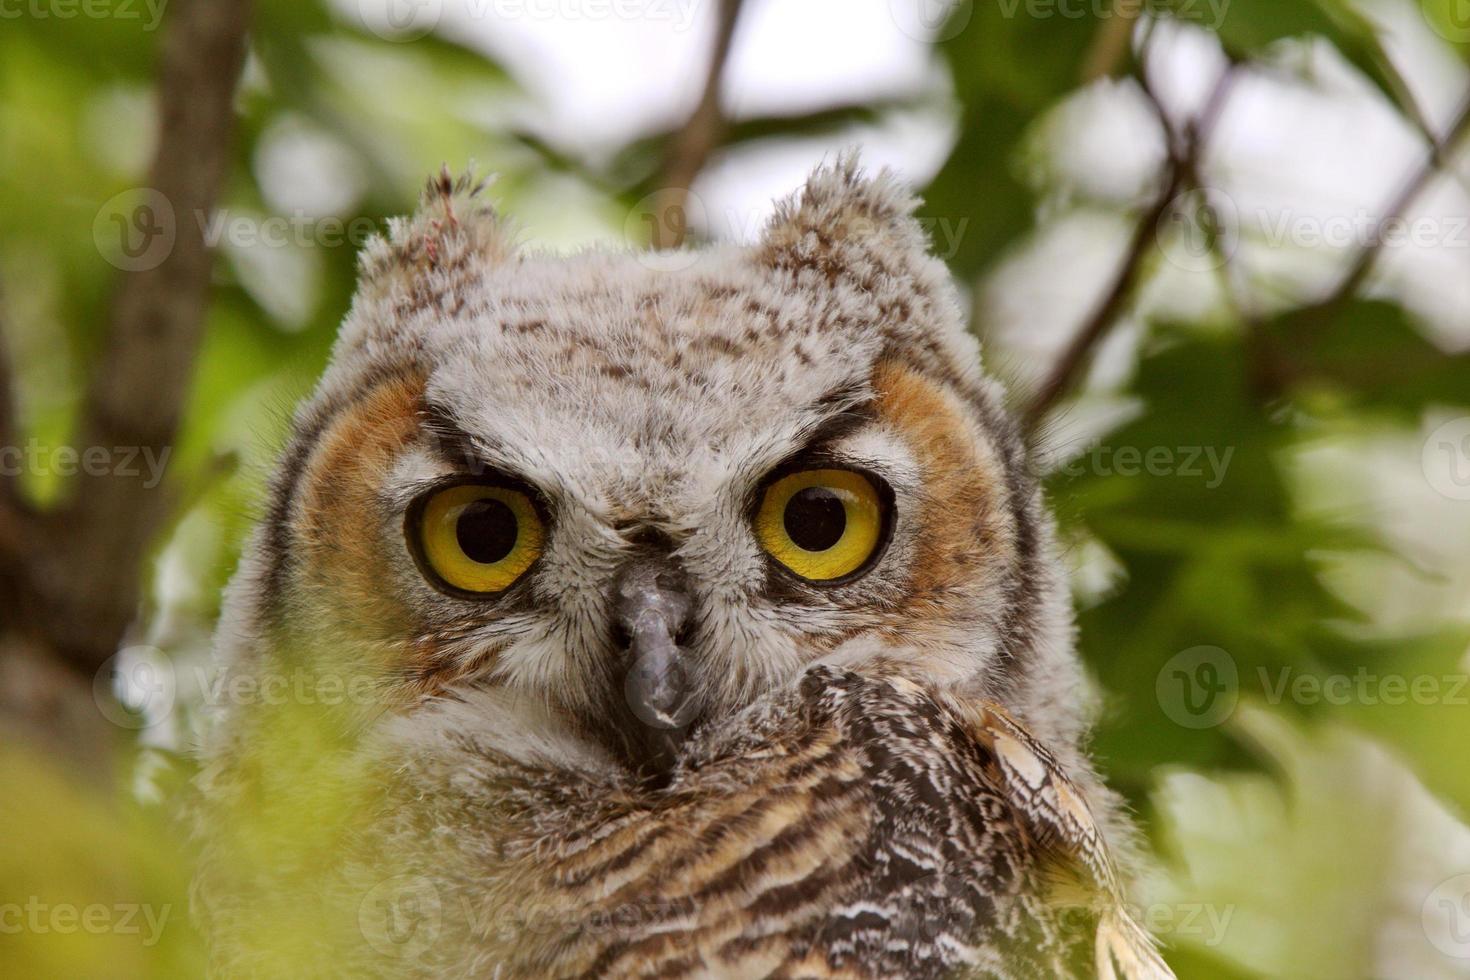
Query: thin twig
<point>1273,367</point>
<point>1180,172</point>
<point>1438,156</point>
<point>134,402</point>
<point>1069,365</point>
<point>697,139</point>
<point>1404,100</point>
<point>1108,48</point>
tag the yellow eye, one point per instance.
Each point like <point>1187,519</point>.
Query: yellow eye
<point>477,538</point>
<point>821,524</point>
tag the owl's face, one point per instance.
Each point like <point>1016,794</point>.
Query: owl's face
<point>629,498</point>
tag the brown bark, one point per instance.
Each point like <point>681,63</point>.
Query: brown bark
<point>142,379</point>
<point>69,576</point>
<point>696,139</point>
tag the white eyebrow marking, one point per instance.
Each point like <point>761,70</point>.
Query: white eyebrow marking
<point>882,449</point>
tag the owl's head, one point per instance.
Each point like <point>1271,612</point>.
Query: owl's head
<point>627,494</point>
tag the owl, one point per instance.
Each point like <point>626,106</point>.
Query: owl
<point>637,615</point>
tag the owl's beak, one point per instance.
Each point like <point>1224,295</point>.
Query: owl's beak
<point>652,608</point>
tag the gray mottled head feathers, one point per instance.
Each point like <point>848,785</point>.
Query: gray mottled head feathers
<point>649,406</point>
<point>453,228</point>
<point>844,216</point>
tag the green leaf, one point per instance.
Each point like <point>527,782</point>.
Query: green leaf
<point>1368,354</point>
<point>1191,498</point>
<point>1008,68</point>
<point>1248,26</point>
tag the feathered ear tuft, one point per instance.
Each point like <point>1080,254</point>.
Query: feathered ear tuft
<point>852,243</point>
<point>453,228</point>
<point>843,221</point>
<point>427,266</point>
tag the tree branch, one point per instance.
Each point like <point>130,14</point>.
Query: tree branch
<point>134,402</point>
<point>1273,367</point>
<point>14,514</point>
<point>1439,157</point>
<point>1403,98</point>
<point>692,146</point>
<point>1180,173</point>
<point>9,408</point>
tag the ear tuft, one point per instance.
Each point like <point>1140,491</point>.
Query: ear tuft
<point>426,266</point>
<point>454,227</point>
<point>852,245</point>
<point>842,219</point>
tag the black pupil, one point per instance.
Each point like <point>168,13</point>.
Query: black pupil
<point>815,518</point>
<point>486,531</point>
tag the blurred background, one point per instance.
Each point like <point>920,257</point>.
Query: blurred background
<point>1219,249</point>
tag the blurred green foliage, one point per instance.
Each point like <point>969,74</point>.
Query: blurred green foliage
<point>1244,565</point>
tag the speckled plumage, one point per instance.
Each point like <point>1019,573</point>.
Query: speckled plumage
<point>883,777</point>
